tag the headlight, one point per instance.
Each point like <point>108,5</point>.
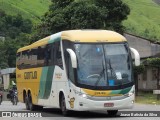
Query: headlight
<point>84,95</point>
<point>130,93</point>
<point>81,94</point>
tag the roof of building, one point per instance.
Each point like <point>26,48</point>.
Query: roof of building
<point>7,71</point>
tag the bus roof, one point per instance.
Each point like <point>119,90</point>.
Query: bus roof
<point>79,36</point>
<point>92,36</point>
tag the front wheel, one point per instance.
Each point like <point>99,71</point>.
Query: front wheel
<point>32,107</point>
<point>30,104</point>
<point>112,112</point>
<point>26,102</point>
<point>63,106</point>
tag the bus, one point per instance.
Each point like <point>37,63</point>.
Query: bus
<point>77,70</point>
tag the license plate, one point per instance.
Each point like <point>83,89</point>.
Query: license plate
<point>108,104</point>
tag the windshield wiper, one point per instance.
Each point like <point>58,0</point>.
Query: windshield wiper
<point>128,62</point>
<point>110,67</point>
<point>128,57</point>
<point>100,75</point>
<point>112,72</point>
<point>102,72</point>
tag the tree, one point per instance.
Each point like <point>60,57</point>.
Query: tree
<point>3,60</point>
<point>60,3</point>
<point>116,11</point>
<point>17,21</point>
<point>26,26</point>
<point>81,15</point>
<point>15,29</point>
<point>86,14</point>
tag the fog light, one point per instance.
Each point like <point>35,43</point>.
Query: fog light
<point>80,104</point>
<point>132,101</point>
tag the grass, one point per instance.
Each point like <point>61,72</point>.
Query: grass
<point>31,9</point>
<point>144,19</point>
<point>147,98</point>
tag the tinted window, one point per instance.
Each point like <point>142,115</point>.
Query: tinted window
<point>36,57</point>
<point>58,56</point>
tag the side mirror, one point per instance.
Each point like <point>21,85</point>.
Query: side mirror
<point>136,56</point>
<point>73,57</point>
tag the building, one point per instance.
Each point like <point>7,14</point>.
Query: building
<point>147,49</point>
<point>5,77</point>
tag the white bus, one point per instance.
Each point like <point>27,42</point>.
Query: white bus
<point>79,70</point>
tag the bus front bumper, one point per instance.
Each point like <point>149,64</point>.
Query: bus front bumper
<point>84,104</point>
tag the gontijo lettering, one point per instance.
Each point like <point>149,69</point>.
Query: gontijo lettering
<point>30,75</point>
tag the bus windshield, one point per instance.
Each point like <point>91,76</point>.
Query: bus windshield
<point>103,64</point>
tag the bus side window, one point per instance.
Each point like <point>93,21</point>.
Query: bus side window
<point>18,60</point>
<point>40,57</point>
<point>47,55</point>
<point>33,58</point>
<point>24,59</point>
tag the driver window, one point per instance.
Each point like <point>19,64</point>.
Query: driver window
<point>70,70</point>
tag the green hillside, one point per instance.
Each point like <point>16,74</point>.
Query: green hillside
<point>144,19</point>
<point>31,9</point>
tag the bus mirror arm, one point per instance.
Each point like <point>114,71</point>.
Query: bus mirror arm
<point>73,57</point>
<point>136,56</point>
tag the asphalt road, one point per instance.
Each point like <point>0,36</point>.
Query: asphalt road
<point>100,115</point>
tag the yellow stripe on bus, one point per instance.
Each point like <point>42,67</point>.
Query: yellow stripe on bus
<point>99,93</point>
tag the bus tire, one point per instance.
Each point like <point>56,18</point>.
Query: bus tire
<point>32,107</point>
<point>112,112</point>
<point>26,102</point>
<point>63,106</point>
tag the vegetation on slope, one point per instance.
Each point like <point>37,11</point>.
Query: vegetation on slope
<point>144,19</point>
<point>30,9</point>
<point>14,33</point>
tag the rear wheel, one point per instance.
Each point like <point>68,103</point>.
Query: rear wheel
<point>112,112</point>
<point>26,102</point>
<point>32,107</point>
